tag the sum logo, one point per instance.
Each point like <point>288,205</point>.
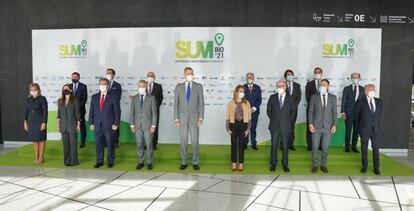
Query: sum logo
<point>209,49</point>
<point>339,50</point>
<point>73,50</point>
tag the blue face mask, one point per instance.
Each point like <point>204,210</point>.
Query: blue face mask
<point>75,81</point>
<point>323,90</point>
<point>289,77</point>
<point>355,81</point>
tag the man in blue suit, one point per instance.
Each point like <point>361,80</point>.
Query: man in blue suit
<point>104,119</point>
<point>350,95</point>
<point>80,91</point>
<point>253,94</point>
<point>368,111</point>
<point>116,90</point>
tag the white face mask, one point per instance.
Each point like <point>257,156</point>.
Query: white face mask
<point>103,88</point>
<point>34,93</point>
<point>108,76</point>
<point>371,94</point>
<point>323,90</point>
<point>318,76</point>
<point>189,78</point>
<point>280,90</point>
<point>355,81</point>
<point>241,95</point>
<point>141,90</point>
<point>150,80</point>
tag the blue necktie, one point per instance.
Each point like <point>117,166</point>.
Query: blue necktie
<point>188,93</point>
<point>280,102</point>
<point>290,89</point>
<point>372,107</point>
<point>75,88</point>
<point>142,100</point>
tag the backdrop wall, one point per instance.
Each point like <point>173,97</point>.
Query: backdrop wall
<point>19,17</point>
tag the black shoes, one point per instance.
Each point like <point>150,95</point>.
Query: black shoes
<point>377,172</point>
<point>314,169</point>
<point>196,167</point>
<point>309,149</point>
<point>272,168</point>
<point>116,145</point>
<point>255,147</point>
<point>363,170</point>
<point>355,150</point>
<point>286,169</point>
<point>347,149</point>
<point>149,166</point>
<point>324,169</point>
<point>82,145</point>
<point>110,165</point>
<point>154,148</point>
<point>183,166</point>
<point>97,165</point>
<point>139,166</point>
<point>292,148</point>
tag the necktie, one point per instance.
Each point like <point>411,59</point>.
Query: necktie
<point>142,100</point>
<point>250,88</point>
<point>371,104</point>
<point>101,103</point>
<point>75,88</point>
<point>290,88</point>
<point>150,89</point>
<point>188,94</point>
<point>281,102</point>
<point>324,101</point>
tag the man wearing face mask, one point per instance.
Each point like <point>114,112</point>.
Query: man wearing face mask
<point>155,89</point>
<point>116,90</point>
<point>322,123</point>
<point>189,115</point>
<point>281,111</point>
<point>143,121</point>
<point>368,111</point>
<point>350,95</point>
<point>104,119</point>
<point>253,94</point>
<point>293,90</point>
<point>80,91</point>
<point>312,87</point>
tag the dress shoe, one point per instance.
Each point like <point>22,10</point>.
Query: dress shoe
<point>139,166</point>
<point>355,150</point>
<point>255,147</point>
<point>183,166</point>
<point>245,147</point>
<point>82,145</point>
<point>110,165</point>
<point>347,150</point>
<point>196,167</point>
<point>149,166</point>
<point>314,169</point>
<point>272,168</point>
<point>286,169</point>
<point>324,169</point>
<point>363,170</point>
<point>377,172</point>
<point>68,164</point>
<point>97,165</point>
<point>309,149</point>
<point>154,148</point>
<point>292,148</point>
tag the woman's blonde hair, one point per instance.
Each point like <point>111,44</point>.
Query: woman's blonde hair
<point>236,90</point>
<point>35,85</point>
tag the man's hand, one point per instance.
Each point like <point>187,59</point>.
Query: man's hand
<point>312,128</point>
<point>92,127</point>
<point>333,129</point>
<point>78,127</point>
<point>253,109</point>
<point>152,129</point>
<point>133,129</point>
<point>114,127</point>
<point>177,123</point>
<point>200,122</point>
<point>343,115</point>
<point>246,133</point>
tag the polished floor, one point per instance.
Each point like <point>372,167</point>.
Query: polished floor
<point>37,188</point>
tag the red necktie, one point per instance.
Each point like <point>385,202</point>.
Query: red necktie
<point>250,89</point>
<point>101,104</point>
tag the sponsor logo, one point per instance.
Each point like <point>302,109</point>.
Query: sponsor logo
<point>79,50</point>
<point>339,50</point>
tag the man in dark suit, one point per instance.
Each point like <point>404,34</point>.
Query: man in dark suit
<point>104,119</point>
<point>116,90</point>
<point>155,89</point>
<point>350,95</point>
<point>368,111</point>
<point>293,90</point>
<point>281,110</point>
<point>312,87</point>
<point>253,94</point>
<point>80,91</point>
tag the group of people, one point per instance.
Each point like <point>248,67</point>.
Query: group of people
<point>360,109</point>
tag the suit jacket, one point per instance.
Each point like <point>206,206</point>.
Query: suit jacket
<point>296,93</point>
<point>322,118</point>
<point>192,111</point>
<point>116,90</point>
<point>110,115</point>
<point>143,116</point>
<point>254,98</point>
<point>157,93</point>
<point>281,119</point>
<point>68,116</point>
<point>365,120</point>
<point>81,95</point>
<point>310,90</point>
<point>348,99</point>
<point>36,109</point>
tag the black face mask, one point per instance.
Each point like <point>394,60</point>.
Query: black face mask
<point>66,92</point>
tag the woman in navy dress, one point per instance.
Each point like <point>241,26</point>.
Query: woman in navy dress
<point>35,122</point>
